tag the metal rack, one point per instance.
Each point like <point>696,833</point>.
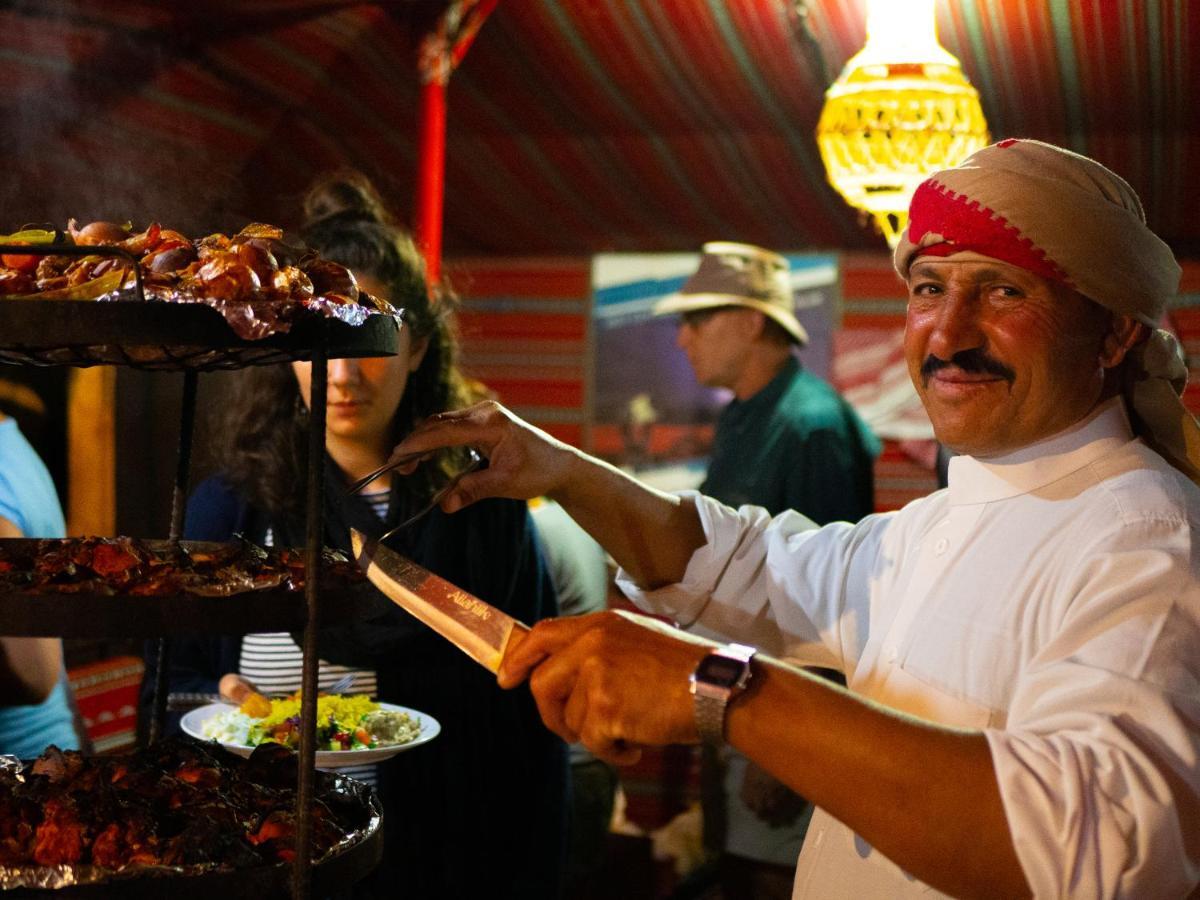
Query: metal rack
<point>191,338</point>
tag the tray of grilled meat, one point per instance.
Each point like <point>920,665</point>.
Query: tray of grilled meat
<point>129,587</point>
<point>156,299</point>
<point>180,819</point>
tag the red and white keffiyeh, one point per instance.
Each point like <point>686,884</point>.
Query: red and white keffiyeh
<point>1067,218</point>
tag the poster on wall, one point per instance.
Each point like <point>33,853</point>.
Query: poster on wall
<point>651,416</point>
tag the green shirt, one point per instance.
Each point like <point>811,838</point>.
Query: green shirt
<point>796,444</point>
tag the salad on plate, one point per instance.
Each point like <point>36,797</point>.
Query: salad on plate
<point>351,729</point>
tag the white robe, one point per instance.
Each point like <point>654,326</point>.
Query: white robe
<point>1050,598</point>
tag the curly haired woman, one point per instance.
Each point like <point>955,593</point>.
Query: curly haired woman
<point>491,787</point>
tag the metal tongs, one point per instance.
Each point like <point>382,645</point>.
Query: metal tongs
<point>475,462</point>
<point>386,467</point>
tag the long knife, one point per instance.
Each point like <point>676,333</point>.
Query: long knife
<point>474,626</point>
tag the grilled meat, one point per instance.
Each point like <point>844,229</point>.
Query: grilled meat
<point>179,803</point>
<point>110,566</point>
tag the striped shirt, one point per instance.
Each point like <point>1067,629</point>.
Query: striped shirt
<point>274,663</point>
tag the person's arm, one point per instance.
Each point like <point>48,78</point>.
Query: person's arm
<point>925,796</point>
<point>1091,779</point>
<point>29,667</point>
<point>618,683</point>
<point>650,534</point>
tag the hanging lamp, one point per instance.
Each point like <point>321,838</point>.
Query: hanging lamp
<point>901,109</point>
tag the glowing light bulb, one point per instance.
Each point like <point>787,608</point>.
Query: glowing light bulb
<point>901,109</point>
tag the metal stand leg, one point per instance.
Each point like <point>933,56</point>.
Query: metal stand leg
<point>187,421</point>
<point>302,866</point>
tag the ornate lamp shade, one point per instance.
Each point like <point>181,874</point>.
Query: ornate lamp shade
<point>901,109</point>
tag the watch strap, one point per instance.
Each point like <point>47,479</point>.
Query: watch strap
<point>710,718</point>
<point>712,701</point>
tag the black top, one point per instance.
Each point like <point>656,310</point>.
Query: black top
<point>480,810</point>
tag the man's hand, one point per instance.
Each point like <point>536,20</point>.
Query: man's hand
<point>615,681</point>
<point>650,534</point>
<point>523,461</point>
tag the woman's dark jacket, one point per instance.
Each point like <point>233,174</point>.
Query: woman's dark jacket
<point>481,809</point>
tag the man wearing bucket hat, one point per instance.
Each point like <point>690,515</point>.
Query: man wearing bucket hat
<point>785,441</point>
<point>733,275</point>
<point>1022,649</point>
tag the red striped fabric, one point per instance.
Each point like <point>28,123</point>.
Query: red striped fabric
<point>523,327</point>
<point>527,278</point>
<point>506,325</point>
<point>574,127</point>
<point>873,307</point>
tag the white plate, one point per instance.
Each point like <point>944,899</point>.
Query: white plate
<point>193,724</point>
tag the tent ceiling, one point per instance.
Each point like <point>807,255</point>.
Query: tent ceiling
<point>574,125</point>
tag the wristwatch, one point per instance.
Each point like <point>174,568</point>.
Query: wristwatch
<point>719,677</point>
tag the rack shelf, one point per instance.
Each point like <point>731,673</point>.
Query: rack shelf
<point>191,338</point>
<point>329,876</point>
<point>64,610</point>
<point>93,615</point>
<point>168,336</point>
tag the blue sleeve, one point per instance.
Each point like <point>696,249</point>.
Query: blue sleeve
<point>577,565</point>
<point>214,512</point>
<point>28,498</point>
<point>8,507</point>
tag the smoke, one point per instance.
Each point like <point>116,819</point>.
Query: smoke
<point>202,115</point>
<point>92,129</point>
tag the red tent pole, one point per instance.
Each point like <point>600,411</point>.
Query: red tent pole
<point>431,177</point>
<point>441,51</point>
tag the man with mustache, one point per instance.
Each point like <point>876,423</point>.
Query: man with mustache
<point>1022,649</point>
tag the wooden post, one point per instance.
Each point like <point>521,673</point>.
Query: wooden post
<point>92,451</point>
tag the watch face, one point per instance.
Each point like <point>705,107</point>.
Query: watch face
<point>720,671</point>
